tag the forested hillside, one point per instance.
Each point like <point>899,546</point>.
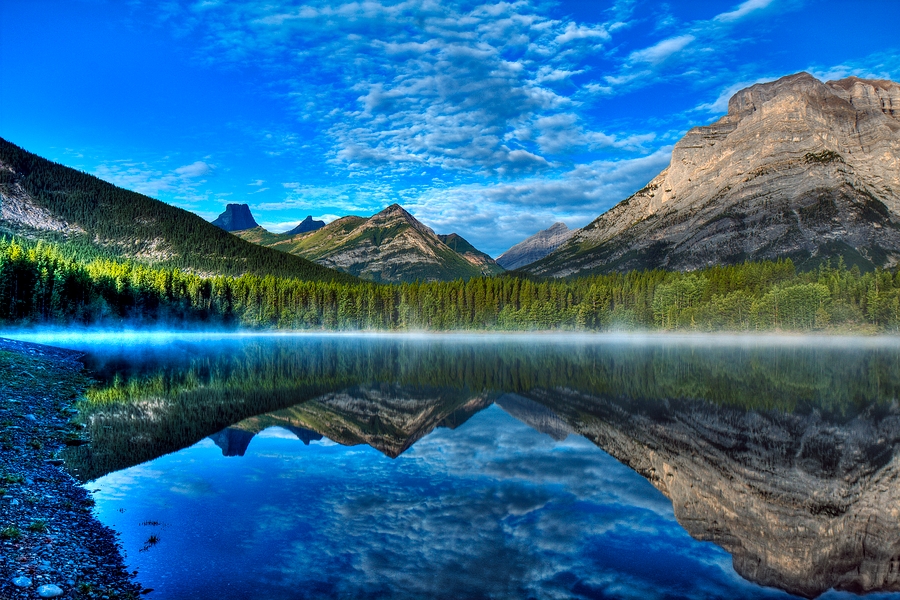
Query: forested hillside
<point>101,219</point>
<point>39,284</point>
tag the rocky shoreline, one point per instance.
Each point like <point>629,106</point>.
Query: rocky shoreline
<point>51,545</point>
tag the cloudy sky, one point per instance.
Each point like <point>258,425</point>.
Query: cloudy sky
<point>489,120</point>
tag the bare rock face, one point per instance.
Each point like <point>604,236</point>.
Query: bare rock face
<point>536,416</point>
<point>797,168</point>
<point>236,217</point>
<point>18,208</point>
<point>535,247</point>
<point>801,503</point>
<point>391,245</point>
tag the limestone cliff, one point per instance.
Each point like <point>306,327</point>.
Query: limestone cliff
<point>803,503</point>
<point>797,168</point>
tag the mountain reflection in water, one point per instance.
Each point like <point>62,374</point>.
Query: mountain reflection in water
<point>786,456</point>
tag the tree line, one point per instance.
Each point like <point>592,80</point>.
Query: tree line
<point>41,283</point>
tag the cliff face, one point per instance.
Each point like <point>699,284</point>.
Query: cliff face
<point>535,247</point>
<point>390,246</point>
<point>797,168</point>
<point>802,504</point>
<point>236,217</point>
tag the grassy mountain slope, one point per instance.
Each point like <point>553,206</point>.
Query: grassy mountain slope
<point>391,246</point>
<point>461,246</point>
<point>46,200</point>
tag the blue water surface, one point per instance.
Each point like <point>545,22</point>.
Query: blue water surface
<point>483,506</point>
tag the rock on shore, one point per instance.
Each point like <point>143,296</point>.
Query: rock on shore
<point>51,545</point>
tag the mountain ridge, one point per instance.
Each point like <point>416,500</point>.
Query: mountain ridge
<point>797,168</point>
<point>389,246</point>
<point>306,225</point>
<point>41,199</point>
<point>535,247</point>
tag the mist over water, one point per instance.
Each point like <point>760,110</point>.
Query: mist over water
<point>492,465</point>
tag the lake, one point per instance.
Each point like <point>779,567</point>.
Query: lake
<point>491,466</point>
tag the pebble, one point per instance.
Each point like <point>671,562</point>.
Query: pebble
<point>53,563</point>
<point>49,591</point>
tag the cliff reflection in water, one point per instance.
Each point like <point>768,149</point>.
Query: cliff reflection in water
<point>786,456</point>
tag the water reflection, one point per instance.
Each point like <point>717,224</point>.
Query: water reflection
<point>785,456</point>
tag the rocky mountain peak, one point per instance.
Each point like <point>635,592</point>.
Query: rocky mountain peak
<point>395,215</point>
<point>236,217</point>
<point>870,95</point>
<point>535,247</point>
<point>797,168</point>
<point>751,99</point>
<point>391,245</point>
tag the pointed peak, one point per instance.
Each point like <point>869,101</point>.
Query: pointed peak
<point>306,225</point>
<point>393,209</point>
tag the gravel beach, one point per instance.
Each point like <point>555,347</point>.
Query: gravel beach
<point>51,545</point>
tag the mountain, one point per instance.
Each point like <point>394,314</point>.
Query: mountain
<point>389,246</point>
<point>235,218</point>
<point>388,418</point>
<point>306,225</point>
<point>797,168</point>
<point>40,199</point>
<point>801,502</point>
<point>476,257</point>
<point>535,247</point>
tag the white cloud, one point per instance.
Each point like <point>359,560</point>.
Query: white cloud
<point>152,180</point>
<point>195,169</point>
<point>743,9</point>
<point>880,65</point>
<point>574,31</point>
<point>494,217</point>
<point>661,51</point>
<point>421,83</point>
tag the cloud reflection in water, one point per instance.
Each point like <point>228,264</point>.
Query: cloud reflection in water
<point>492,509</point>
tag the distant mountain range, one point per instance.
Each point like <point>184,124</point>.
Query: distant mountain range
<point>797,168</point>
<point>390,246</point>
<point>536,247</point>
<point>306,225</point>
<point>40,199</point>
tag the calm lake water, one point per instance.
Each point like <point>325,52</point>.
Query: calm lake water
<point>328,466</point>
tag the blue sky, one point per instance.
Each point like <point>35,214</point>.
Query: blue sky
<point>489,120</point>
